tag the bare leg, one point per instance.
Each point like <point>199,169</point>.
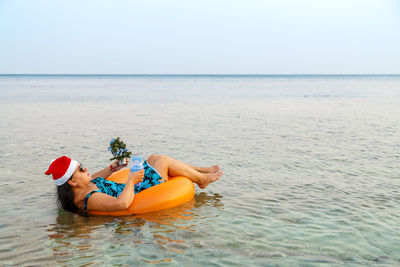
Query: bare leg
<point>214,168</point>
<point>169,167</point>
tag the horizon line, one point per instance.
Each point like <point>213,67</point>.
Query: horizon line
<point>196,74</point>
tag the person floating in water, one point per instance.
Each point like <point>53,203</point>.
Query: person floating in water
<point>77,190</point>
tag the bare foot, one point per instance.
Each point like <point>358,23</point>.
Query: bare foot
<point>209,178</point>
<point>212,169</point>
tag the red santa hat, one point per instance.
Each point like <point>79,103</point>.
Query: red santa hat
<point>62,169</point>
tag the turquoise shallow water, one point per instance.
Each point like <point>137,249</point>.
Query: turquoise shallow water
<point>311,168</point>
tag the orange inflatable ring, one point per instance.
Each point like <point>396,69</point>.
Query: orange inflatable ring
<point>172,193</point>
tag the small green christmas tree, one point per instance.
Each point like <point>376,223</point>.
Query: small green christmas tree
<point>118,149</point>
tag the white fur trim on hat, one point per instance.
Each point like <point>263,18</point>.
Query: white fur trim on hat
<point>68,174</point>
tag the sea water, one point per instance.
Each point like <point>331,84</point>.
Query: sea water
<point>311,168</point>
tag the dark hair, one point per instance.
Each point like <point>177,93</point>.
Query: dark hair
<point>65,197</point>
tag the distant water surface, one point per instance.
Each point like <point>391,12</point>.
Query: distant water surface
<point>311,168</point>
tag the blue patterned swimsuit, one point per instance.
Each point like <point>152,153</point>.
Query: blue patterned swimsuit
<point>151,177</point>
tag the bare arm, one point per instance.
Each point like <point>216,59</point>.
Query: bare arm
<point>104,202</point>
<point>107,171</point>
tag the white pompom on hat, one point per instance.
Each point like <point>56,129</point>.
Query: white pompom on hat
<point>62,169</point>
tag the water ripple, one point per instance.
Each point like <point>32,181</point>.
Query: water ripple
<point>308,180</point>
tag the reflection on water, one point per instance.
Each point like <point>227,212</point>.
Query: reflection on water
<point>74,235</point>
<point>204,198</point>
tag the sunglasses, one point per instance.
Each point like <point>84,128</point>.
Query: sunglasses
<point>81,168</point>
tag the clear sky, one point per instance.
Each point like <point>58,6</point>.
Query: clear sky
<point>200,37</point>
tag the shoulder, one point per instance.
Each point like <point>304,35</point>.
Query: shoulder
<point>79,199</point>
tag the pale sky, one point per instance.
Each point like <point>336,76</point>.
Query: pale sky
<point>200,37</point>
